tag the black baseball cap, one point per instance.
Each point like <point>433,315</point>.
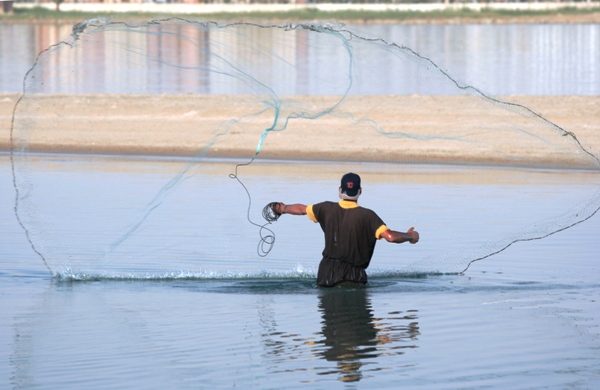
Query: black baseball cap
<point>350,184</point>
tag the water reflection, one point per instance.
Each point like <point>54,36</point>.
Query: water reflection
<point>353,334</point>
<point>352,338</point>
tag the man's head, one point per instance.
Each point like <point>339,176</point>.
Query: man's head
<point>350,186</point>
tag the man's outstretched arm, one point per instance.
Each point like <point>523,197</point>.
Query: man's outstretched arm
<point>411,236</point>
<point>295,209</point>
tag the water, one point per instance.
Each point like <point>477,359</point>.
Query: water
<point>546,59</point>
<point>526,318</point>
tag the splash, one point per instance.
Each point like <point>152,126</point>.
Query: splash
<point>257,94</point>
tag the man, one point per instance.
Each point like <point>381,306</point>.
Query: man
<point>350,231</point>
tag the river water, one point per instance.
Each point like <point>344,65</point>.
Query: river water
<point>512,59</point>
<point>225,317</point>
<point>196,315</point>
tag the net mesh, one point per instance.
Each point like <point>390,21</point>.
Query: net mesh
<point>261,104</point>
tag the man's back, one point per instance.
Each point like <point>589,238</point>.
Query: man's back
<point>350,231</point>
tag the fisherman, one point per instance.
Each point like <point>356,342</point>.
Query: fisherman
<point>351,232</point>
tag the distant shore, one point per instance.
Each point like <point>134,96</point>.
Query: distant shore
<point>422,13</point>
<point>181,125</point>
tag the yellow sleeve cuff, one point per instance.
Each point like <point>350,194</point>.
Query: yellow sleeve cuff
<point>310,213</point>
<point>380,231</point>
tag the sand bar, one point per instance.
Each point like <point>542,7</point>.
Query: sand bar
<point>182,125</point>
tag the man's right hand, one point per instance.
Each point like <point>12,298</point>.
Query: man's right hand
<point>277,208</point>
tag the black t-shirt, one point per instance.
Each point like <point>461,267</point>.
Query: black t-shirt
<point>350,231</point>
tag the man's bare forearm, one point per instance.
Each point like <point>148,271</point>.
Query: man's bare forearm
<point>411,236</point>
<point>294,209</point>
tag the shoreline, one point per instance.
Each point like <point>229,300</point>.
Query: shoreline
<point>131,125</point>
<point>367,13</point>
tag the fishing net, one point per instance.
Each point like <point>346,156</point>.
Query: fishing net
<point>239,115</point>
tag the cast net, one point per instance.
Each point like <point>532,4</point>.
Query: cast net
<point>239,115</point>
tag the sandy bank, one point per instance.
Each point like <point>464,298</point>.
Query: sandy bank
<point>182,125</point>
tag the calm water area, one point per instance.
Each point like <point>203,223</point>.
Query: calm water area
<point>545,59</point>
<point>225,317</point>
